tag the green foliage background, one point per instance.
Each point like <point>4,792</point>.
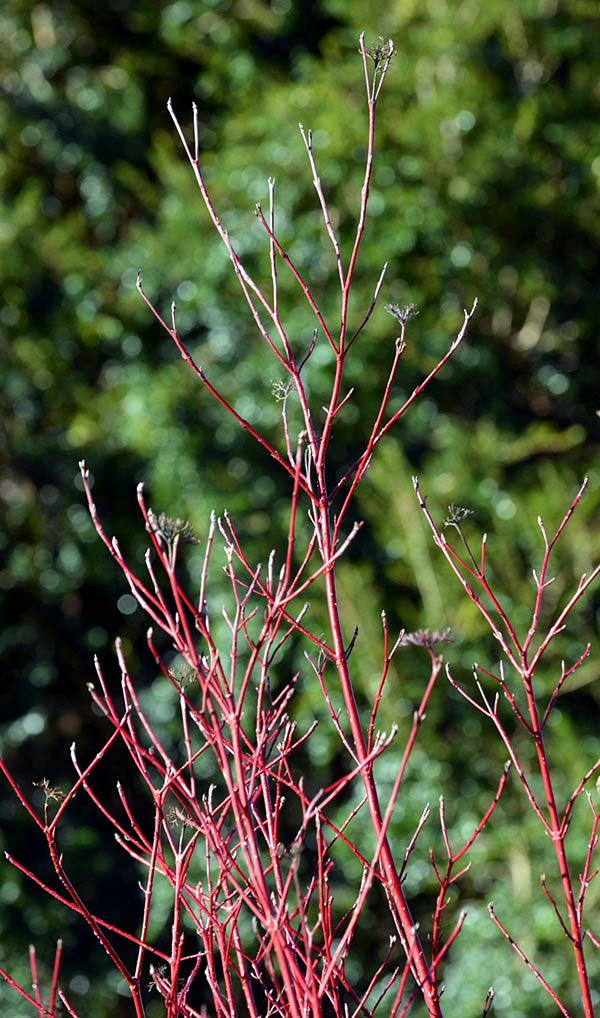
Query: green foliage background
<point>486,184</point>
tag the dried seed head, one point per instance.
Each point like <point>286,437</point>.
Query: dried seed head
<point>50,791</point>
<point>427,638</point>
<point>456,513</point>
<point>402,315</point>
<point>280,389</point>
<point>168,529</point>
<point>381,52</point>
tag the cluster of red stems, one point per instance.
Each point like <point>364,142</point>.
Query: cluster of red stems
<point>264,939</point>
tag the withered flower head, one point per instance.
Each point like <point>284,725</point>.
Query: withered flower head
<point>428,638</point>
